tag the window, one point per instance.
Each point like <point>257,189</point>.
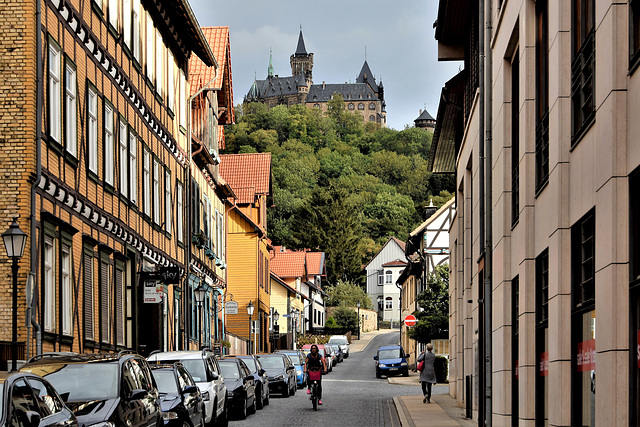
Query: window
<point>542,338</point>
<point>98,4</point>
<point>389,276</point>
<point>49,285</point>
<point>634,32</point>
<point>179,224</point>
<point>48,399</point>
<point>372,118</point>
<point>360,106</point>
<point>515,332</point>
<point>582,67</point>
<point>135,35</point>
<point>167,201</point>
<point>351,106</point>
<point>119,297</point>
<point>150,47</point>
<point>113,14</point>
<point>87,292</point>
<point>388,303</point>
<point>316,105</point>
<point>380,277</point>
<point>542,287</point>
<point>67,291</point>
<point>542,94</point>
<point>108,143</point>
<point>219,235</point>
<point>126,23</point>
<point>195,206</point>
<point>634,287</point>
<point>70,110</point>
<point>159,64</point>
<point>515,139</point>
<point>171,96</point>
<point>92,99</point>
<point>124,160</point>
<point>55,125</point>
<point>583,320</point>
<point>133,168</point>
<point>372,106</point>
<point>146,181</point>
<point>156,191</point>
<point>105,299</point>
<point>206,217</point>
<point>183,99</point>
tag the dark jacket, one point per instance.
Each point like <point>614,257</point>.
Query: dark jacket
<point>428,374</point>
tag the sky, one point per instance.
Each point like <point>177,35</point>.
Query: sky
<point>397,36</point>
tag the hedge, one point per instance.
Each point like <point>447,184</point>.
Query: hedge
<point>441,366</point>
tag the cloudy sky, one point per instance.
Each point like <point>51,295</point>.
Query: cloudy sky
<point>398,36</point>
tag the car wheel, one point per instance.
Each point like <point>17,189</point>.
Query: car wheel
<point>223,419</point>
<point>378,374</point>
<point>405,374</point>
<point>287,391</point>
<point>266,398</point>
<point>252,408</point>
<point>243,411</point>
<point>259,399</point>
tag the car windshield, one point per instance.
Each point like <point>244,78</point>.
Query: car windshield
<point>295,359</point>
<point>195,368</point>
<point>251,363</point>
<point>166,381</point>
<point>389,354</point>
<point>229,370</point>
<point>82,381</point>
<point>339,341</point>
<point>272,362</point>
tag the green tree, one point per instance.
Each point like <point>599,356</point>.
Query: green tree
<point>433,320</point>
<point>347,293</point>
<point>345,317</point>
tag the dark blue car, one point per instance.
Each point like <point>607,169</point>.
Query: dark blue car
<point>391,360</point>
<point>298,358</point>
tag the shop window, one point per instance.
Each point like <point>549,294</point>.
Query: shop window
<point>515,334</point>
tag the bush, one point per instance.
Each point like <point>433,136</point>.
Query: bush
<point>441,366</point>
<point>345,317</point>
<point>331,323</point>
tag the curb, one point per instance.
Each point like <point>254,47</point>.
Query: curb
<point>405,421</point>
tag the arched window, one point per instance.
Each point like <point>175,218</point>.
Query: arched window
<point>351,106</point>
<point>389,275</point>
<point>316,105</point>
<point>372,118</point>
<point>388,303</point>
<point>361,106</point>
<point>372,106</point>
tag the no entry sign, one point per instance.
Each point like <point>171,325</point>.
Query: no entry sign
<point>410,320</point>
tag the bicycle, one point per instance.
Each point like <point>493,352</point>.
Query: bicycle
<point>314,377</point>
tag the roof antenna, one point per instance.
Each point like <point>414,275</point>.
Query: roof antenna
<point>365,53</point>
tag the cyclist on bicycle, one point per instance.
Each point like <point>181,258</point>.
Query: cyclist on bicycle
<point>315,362</point>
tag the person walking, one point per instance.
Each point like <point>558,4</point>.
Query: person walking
<point>428,373</point>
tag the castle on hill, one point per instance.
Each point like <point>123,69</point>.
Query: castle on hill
<point>365,96</point>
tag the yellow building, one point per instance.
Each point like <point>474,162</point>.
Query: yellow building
<point>285,301</point>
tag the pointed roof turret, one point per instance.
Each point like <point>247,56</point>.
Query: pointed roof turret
<point>270,69</point>
<point>301,50</point>
<point>366,76</point>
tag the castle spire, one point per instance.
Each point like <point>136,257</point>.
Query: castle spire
<point>301,49</point>
<point>270,70</point>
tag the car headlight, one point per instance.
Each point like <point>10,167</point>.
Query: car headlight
<point>403,364</point>
<point>169,416</point>
<point>102,424</point>
<point>205,395</point>
<point>278,377</point>
<point>382,365</point>
<point>299,372</point>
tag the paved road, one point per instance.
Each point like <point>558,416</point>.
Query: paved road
<point>352,396</point>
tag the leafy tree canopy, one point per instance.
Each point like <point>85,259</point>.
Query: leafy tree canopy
<point>345,317</point>
<point>347,293</point>
<point>433,319</point>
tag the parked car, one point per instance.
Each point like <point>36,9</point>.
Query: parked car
<point>102,388</point>
<point>342,341</point>
<point>391,360</point>
<point>203,367</point>
<point>332,357</point>
<point>241,387</point>
<point>298,359</point>
<point>337,351</point>
<point>282,373</point>
<point>261,378</point>
<point>31,401</point>
<point>180,397</point>
<point>306,349</point>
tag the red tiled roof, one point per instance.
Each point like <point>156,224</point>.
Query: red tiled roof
<point>245,195</point>
<point>314,263</point>
<point>218,38</point>
<point>400,243</point>
<point>288,264</point>
<point>396,263</point>
<point>247,170</point>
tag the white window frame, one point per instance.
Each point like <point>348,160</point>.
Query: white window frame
<point>99,4</point>
<point>108,143</point>
<point>171,96</point>
<point>67,306</point>
<point>183,100</point>
<point>54,95</point>
<point>159,64</point>
<point>206,213</point>
<point>71,110</point>
<point>179,204</point>
<point>156,191</point>
<point>388,276</point>
<point>126,22</point>
<point>167,201</point>
<point>92,129</point>
<point>133,167</point>
<point>113,14</point>
<point>219,235</point>
<point>124,159</point>
<point>135,31</point>
<point>150,47</point>
<point>49,285</point>
<point>146,181</point>
<point>388,303</point>
<point>380,277</point>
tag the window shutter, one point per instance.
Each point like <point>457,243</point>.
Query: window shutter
<point>88,296</point>
<point>119,307</point>
<point>104,301</point>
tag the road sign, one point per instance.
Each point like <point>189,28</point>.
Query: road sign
<point>410,320</point>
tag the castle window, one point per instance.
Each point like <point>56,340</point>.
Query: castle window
<point>351,106</point>
<point>316,105</point>
<point>372,106</point>
<point>372,118</point>
<point>361,106</point>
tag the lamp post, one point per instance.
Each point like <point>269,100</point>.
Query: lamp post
<point>276,328</point>
<point>358,305</point>
<point>14,241</point>
<point>294,320</point>
<point>250,308</point>
<point>200,292</point>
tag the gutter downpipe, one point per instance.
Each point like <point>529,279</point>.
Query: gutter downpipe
<point>30,314</point>
<point>488,263</point>
<point>188,194</point>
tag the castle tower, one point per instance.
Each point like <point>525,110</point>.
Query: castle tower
<point>302,62</point>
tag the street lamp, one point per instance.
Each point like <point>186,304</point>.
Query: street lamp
<point>14,240</point>
<point>250,308</point>
<point>294,323</point>
<point>200,292</point>
<point>358,305</point>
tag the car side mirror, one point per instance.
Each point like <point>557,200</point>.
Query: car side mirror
<point>137,394</point>
<point>375,357</point>
<point>65,396</point>
<point>407,356</point>
<point>261,372</point>
<point>190,389</point>
<point>213,376</point>
<point>32,418</point>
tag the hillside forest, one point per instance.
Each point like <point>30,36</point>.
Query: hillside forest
<point>339,186</point>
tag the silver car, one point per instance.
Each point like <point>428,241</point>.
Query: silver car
<point>342,341</point>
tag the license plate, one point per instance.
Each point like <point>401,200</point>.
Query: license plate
<point>393,369</point>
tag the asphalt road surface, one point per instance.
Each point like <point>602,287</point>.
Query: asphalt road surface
<point>352,396</point>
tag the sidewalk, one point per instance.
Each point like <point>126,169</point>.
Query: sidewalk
<point>359,345</point>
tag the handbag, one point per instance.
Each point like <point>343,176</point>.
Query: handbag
<point>421,365</point>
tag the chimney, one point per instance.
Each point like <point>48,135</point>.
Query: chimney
<point>323,85</point>
<point>429,210</point>
<point>420,112</point>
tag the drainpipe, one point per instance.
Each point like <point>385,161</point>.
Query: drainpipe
<point>30,314</point>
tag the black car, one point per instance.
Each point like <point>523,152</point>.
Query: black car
<point>180,397</point>
<point>282,373</point>
<point>337,351</point>
<point>241,387</point>
<point>28,400</point>
<point>261,379</point>
<point>111,388</point>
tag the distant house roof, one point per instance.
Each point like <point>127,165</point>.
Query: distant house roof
<point>366,76</point>
<point>275,86</point>
<point>315,263</point>
<point>396,263</point>
<point>288,264</point>
<point>350,92</point>
<point>397,241</point>
<point>245,171</point>
<point>425,116</point>
<point>432,218</point>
